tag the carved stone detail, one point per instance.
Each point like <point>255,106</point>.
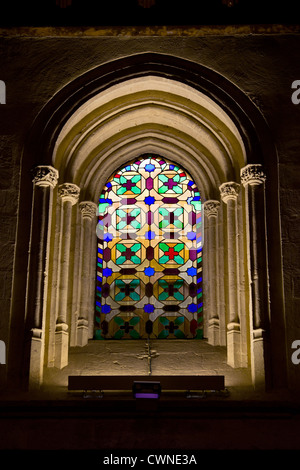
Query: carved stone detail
<point>44,175</point>
<point>253,174</point>
<point>229,190</point>
<point>211,208</point>
<point>69,192</point>
<point>88,209</point>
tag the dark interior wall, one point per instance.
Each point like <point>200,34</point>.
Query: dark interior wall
<point>36,65</point>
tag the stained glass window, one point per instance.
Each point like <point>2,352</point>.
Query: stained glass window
<point>149,267</point>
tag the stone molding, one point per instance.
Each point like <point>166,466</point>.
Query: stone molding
<point>211,208</point>
<point>44,175</point>
<point>229,191</point>
<point>88,209</point>
<point>253,174</point>
<point>69,192</point>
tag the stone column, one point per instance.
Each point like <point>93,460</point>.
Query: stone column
<point>253,179</point>
<point>88,211</point>
<point>229,193</point>
<point>44,181</point>
<point>211,212</point>
<point>69,194</point>
<point>93,268</point>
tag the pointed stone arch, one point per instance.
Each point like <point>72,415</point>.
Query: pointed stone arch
<point>191,114</point>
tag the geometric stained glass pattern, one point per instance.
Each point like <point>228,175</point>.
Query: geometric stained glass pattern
<point>149,267</point>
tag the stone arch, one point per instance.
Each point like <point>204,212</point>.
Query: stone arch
<point>177,108</point>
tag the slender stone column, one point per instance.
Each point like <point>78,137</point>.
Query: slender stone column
<point>93,266</point>
<point>253,179</point>
<point>88,211</point>
<point>44,181</point>
<point>229,193</point>
<point>69,194</point>
<point>211,212</point>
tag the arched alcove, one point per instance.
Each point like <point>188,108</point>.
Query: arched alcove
<point>149,103</point>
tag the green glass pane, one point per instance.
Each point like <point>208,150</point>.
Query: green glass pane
<point>179,320</point>
<point>178,259</point>
<point>119,334</point>
<point>135,247</point>
<point>179,247</point>
<point>119,321</point>
<point>163,283</point>
<point>178,296</point>
<point>163,296</point>
<point>135,283</point>
<point>120,247</point>
<point>163,247</point>
<point>119,296</point>
<point>199,334</point>
<point>179,334</point>
<point>163,178</point>
<point>178,224</point>
<point>163,334</point>
<point>121,190</point>
<point>177,189</point>
<point>134,296</point>
<point>135,224</point>
<point>163,224</point>
<point>197,205</point>
<point>164,212</point>
<point>121,213</point>
<point>98,334</point>
<point>135,190</point>
<point>134,334</point>
<point>102,207</point>
<point>121,225</point>
<point>134,321</point>
<point>136,178</point>
<point>178,283</point>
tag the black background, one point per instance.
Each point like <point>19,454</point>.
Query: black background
<point>164,12</point>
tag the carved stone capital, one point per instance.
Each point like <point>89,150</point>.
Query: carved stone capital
<point>211,208</point>
<point>69,192</point>
<point>88,209</point>
<point>253,174</point>
<point>229,191</point>
<point>44,175</point>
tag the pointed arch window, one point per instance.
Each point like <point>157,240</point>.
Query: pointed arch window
<point>149,266</point>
